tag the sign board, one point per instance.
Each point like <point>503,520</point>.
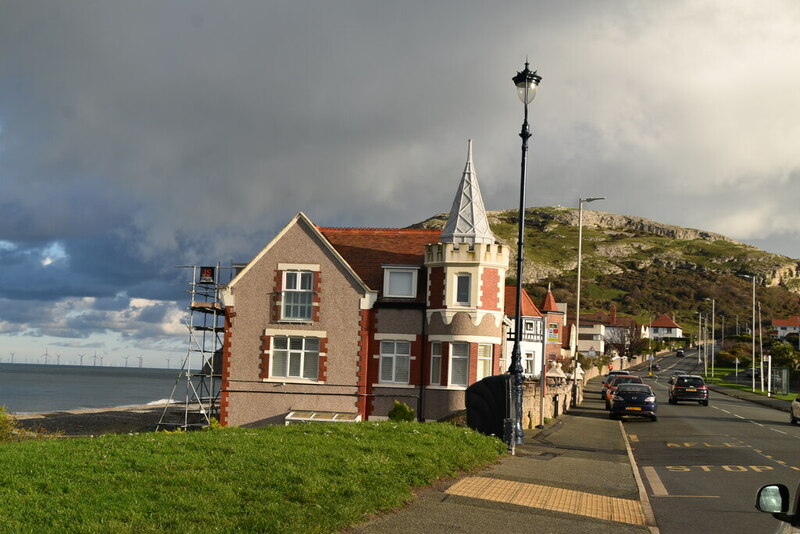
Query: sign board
<point>206,275</point>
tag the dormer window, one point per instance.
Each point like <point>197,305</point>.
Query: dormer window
<point>400,281</point>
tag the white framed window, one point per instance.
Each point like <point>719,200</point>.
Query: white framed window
<point>459,364</point>
<point>484,360</point>
<point>463,281</point>
<point>395,360</point>
<point>297,295</point>
<point>295,357</point>
<point>400,282</point>
<point>528,364</point>
<point>436,363</point>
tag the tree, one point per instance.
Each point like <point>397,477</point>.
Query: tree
<point>626,340</point>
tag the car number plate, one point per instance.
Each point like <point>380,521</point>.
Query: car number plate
<point>691,389</point>
<point>634,408</point>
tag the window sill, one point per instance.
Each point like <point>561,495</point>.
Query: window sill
<point>295,321</point>
<point>448,388</point>
<point>284,381</point>
<point>395,385</point>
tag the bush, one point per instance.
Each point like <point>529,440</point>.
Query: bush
<point>401,412</point>
<point>8,425</point>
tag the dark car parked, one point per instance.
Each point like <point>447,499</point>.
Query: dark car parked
<point>616,382</point>
<point>680,353</point>
<point>688,388</point>
<point>633,399</point>
<point>608,378</point>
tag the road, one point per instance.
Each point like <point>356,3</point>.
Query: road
<point>702,465</point>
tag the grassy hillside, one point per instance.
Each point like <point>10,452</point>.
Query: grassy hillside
<point>644,267</point>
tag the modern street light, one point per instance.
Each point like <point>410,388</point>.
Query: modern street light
<point>526,83</point>
<point>713,336</point>
<point>576,348</point>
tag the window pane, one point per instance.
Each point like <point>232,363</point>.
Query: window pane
<point>279,363</point>
<point>458,374</point>
<point>460,349</point>
<point>280,342</point>
<point>294,364</point>
<point>462,288</point>
<point>312,344</point>
<point>401,374</point>
<point>310,365</point>
<point>400,283</point>
<point>296,343</point>
<point>291,280</point>
<point>386,368</point>
<point>306,279</point>
<point>403,347</point>
<point>484,351</point>
<point>484,368</point>
<point>436,369</point>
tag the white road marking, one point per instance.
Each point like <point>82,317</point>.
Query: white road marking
<point>655,482</point>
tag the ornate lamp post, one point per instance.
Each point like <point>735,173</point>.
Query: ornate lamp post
<point>526,82</point>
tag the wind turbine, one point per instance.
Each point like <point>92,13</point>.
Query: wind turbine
<point>12,357</point>
<point>126,359</point>
<point>46,356</point>
<point>140,361</point>
<point>95,359</point>
<point>58,359</point>
<point>167,363</point>
<point>81,355</point>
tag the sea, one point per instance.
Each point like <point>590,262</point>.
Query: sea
<point>30,388</point>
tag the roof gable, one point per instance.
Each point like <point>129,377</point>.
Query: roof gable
<point>791,321</point>
<point>665,321</point>
<point>528,308</point>
<point>549,303</point>
<point>301,218</point>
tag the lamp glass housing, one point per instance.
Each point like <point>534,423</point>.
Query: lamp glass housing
<point>526,90</point>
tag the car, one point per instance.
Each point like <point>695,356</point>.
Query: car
<point>774,499</point>
<point>794,414</point>
<point>607,379</point>
<point>616,382</point>
<point>680,353</point>
<point>688,388</point>
<point>633,399</point>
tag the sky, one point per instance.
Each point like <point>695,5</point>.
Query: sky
<point>140,135</point>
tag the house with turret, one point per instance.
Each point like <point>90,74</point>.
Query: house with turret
<point>339,323</point>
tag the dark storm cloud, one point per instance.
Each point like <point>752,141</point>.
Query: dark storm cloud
<point>137,136</point>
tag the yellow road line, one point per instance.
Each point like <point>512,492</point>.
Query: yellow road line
<point>550,498</point>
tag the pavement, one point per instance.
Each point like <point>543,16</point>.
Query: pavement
<point>577,475</point>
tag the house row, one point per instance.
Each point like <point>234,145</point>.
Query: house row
<point>342,322</point>
<point>339,323</point>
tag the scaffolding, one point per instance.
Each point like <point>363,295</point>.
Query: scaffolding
<point>194,400</point>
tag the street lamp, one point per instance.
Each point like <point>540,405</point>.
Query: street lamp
<point>576,348</point>
<point>713,336</point>
<point>526,83</point>
<point>753,331</point>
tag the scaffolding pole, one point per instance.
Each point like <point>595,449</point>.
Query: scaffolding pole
<point>194,400</point>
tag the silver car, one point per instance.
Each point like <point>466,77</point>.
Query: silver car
<point>794,415</point>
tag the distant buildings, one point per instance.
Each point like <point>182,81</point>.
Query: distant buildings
<point>784,327</point>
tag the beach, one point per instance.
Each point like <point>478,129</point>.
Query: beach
<point>94,422</point>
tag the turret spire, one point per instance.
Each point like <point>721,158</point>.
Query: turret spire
<point>467,222</point>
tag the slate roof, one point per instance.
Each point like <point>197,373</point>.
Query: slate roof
<point>367,250</point>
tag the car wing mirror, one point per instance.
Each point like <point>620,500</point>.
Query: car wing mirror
<point>774,499</point>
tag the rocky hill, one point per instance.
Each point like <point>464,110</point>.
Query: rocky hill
<point>644,267</point>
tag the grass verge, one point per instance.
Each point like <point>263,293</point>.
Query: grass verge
<point>722,377</point>
<point>300,478</point>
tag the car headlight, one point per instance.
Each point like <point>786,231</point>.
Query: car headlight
<point>650,399</point>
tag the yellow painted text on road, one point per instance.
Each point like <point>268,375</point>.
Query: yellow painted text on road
<point>728,468</point>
